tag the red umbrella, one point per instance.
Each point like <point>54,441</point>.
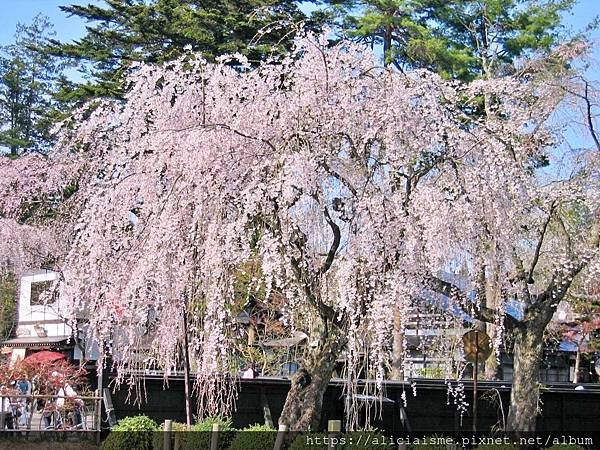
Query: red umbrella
<point>44,356</point>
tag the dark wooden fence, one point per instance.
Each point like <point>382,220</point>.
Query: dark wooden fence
<point>564,407</point>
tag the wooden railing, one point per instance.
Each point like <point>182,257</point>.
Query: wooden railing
<point>13,407</point>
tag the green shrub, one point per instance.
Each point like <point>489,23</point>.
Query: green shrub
<point>306,441</point>
<point>254,437</point>
<point>200,435</point>
<point>433,445</point>
<point>566,447</point>
<point>136,432</point>
<point>497,447</point>
<point>365,440</point>
<point>178,428</point>
<point>354,440</point>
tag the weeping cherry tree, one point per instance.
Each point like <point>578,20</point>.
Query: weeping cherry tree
<point>355,187</point>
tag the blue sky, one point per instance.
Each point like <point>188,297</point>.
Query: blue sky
<point>14,11</point>
<point>69,28</point>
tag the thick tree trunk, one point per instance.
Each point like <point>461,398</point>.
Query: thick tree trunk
<point>524,397</point>
<point>493,297</point>
<point>491,364</point>
<point>528,354</point>
<point>304,402</point>
<point>387,46</point>
<point>397,372</point>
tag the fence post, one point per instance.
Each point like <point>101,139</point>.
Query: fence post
<point>110,411</point>
<point>32,409</point>
<point>2,416</point>
<point>280,437</point>
<point>167,434</point>
<point>214,437</point>
<point>333,430</point>
<point>98,416</point>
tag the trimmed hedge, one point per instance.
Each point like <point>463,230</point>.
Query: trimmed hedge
<point>201,433</point>
<point>306,441</point>
<point>497,447</point>
<point>254,437</point>
<point>178,428</point>
<point>365,440</point>
<point>566,447</point>
<point>135,432</point>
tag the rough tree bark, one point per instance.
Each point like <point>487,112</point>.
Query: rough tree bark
<point>528,354</point>
<point>397,372</point>
<point>304,402</point>
<point>492,299</point>
<point>528,336</point>
<point>524,396</point>
<point>491,364</point>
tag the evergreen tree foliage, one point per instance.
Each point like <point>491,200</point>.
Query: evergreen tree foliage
<point>125,31</point>
<point>8,294</point>
<point>28,80</point>
<point>462,39</point>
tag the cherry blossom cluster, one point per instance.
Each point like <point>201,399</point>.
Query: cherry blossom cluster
<point>349,183</point>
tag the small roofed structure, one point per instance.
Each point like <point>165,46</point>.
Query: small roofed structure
<point>296,339</point>
<point>41,322</point>
<point>39,343</point>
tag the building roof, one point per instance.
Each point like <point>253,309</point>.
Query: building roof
<point>296,339</point>
<point>35,272</point>
<point>36,342</point>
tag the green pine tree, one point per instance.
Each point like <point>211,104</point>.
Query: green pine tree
<point>28,80</point>
<point>8,305</point>
<point>462,39</point>
<point>125,31</point>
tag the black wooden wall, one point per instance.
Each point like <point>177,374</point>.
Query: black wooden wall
<point>564,408</point>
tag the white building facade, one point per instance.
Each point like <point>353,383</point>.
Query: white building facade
<point>42,323</point>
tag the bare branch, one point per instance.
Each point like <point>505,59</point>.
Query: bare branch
<point>538,248</point>
<point>589,115</point>
<point>334,245</point>
<point>588,105</point>
<point>339,177</point>
<point>562,279</point>
<point>303,278</point>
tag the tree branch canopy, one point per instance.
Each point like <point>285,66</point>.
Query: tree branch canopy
<point>335,244</point>
<point>333,231</point>
<point>479,312</point>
